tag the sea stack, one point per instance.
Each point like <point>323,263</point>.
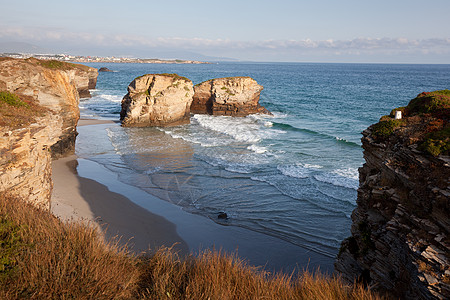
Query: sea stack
<point>400,243</point>
<point>157,100</point>
<point>230,96</point>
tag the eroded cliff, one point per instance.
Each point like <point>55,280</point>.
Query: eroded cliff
<point>51,84</point>
<point>400,233</point>
<point>39,113</point>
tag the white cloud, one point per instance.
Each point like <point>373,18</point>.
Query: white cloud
<point>270,48</point>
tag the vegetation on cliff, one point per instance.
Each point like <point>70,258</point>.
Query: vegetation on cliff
<point>58,65</point>
<point>18,111</point>
<point>41,257</point>
<point>425,122</point>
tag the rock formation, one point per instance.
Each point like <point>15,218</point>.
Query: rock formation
<point>157,100</point>
<point>25,160</point>
<point>400,243</point>
<point>231,96</point>
<point>104,69</point>
<point>51,84</point>
<point>38,118</point>
<point>84,78</point>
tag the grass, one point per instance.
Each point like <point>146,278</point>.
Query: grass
<point>385,128</point>
<point>57,65</point>
<point>53,260</point>
<point>18,111</point>
<point>435,105</point>
<point>426,117</point>
<point>430,102</point>
<point>437,142</point>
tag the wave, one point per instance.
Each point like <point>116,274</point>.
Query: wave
<point>112,98</point>
<point>298,171</point>
<point>347,178</point>
<point>287,127</point>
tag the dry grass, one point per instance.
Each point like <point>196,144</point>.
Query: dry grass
<point>52,260</point>
<point>59,261</point>
<point>18,111</point>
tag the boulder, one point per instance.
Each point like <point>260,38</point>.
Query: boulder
<point>230,96</point>
<point>157,100</point>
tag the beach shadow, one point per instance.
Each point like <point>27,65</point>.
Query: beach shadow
<point>137,228</point>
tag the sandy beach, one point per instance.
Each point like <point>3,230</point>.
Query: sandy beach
<point>85,190</point>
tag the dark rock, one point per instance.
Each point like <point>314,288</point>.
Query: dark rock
<point>222,216</point>
<point>104,69</point>
<point>401,216</point>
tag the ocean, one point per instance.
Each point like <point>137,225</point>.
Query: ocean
<point>293,175</point>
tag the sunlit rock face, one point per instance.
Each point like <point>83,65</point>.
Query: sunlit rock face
<point>157,100</point>
<point>231,96</point>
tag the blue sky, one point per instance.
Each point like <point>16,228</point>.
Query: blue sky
<point>285,30</point>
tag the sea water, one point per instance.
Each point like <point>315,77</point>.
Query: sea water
<point>293,175</point>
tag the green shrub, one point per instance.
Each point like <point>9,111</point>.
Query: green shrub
<point>12,99</point>
<point>430,102</point>
<point>384,129</point>
<point>10,245</point>
<point>437,142</point>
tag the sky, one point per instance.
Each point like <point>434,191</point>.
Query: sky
<point>390,31</point>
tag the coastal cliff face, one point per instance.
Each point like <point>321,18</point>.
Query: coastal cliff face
<point>52,85</point>
<point>38,117</point>
<point>157,100</point>
<point>84,78</point>
<point>25,160</point>
<point>400,233</point>
<point>231,96</point>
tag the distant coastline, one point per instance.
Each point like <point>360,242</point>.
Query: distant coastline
<point>100,59</point>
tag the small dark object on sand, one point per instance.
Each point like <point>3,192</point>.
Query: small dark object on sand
<point>222,215</point>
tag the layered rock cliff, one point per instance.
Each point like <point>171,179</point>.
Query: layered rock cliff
<point>25,160</point>
<point>53,85</point>
<point>400,243</point>
<point>157,100</point>
<point>231,96</point>
<point>38,117</point>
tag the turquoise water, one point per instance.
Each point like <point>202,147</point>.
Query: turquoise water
<point>293,175</point>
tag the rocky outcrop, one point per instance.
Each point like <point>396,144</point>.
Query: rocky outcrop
<point>53,85</point>
<point>400,243</point>
<point>25,160</point>
<point>84,78</point>
<point>231,96</point>
<point>104,69</point>
<point>157,100</point>
<point>38,118</point>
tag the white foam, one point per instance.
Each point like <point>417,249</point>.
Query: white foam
<point>112,98</point>
<point>298,170</point>
<point>257,149</point>
<point>239,128</point>
<point>348,172</point>
<point>247,129</point>
<point>341,177</point>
